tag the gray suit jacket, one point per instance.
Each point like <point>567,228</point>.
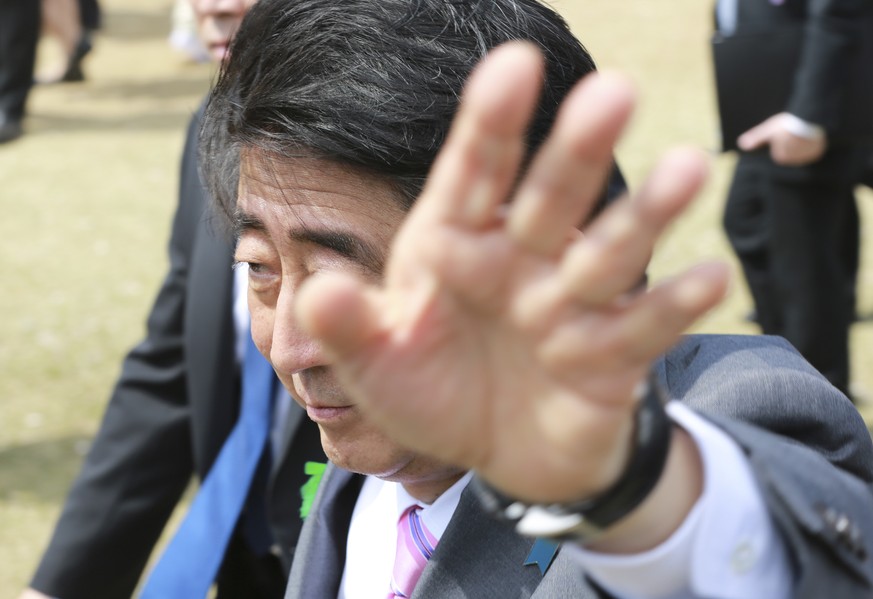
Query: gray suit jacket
<point>807,445</point>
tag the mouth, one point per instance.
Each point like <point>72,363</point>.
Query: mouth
<point>324,401</point>
<point>328,414</point>
<point>218,50</point>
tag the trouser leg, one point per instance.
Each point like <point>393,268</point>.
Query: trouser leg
<point>811,283</point>
<point>746,223</point>
<point>19,33</point>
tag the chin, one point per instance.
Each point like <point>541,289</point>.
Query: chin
<point>369,453</point>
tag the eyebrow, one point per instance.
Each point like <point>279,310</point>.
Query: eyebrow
<point>244,222</point>
<point>344,243</point>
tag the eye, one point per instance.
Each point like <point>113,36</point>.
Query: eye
<point>261,275</point>
<point>257,255</point>
<point>256,268</point>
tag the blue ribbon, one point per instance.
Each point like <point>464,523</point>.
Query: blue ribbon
<point>542,554</point>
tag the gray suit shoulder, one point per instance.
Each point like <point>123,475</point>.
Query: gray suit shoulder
<point>764,381</point>
<point>808,447</point>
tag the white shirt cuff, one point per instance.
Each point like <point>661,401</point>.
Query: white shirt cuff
<point>797,126</point>
<point>727,547</point>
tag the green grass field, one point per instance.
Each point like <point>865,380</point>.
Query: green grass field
<point>89,192</point>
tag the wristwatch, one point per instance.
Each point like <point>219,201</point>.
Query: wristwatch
<point>584,520</point>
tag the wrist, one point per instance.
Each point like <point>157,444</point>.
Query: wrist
<point>665,509</point>
<point>586,519</point>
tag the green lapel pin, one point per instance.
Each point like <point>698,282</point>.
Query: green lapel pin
<point>315,470</point>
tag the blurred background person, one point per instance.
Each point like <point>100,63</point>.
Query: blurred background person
<point>172,414</point>
<point>19,34</point>
<point>184,34</point>
<point>791,215</point>
<point>62,21</point>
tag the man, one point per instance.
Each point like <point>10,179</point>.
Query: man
<point>425,293</point>
<point>19,33</point>
<point>173,409</point>
<point>791,215</point>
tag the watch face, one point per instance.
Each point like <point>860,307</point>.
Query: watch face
<point>539,521</point>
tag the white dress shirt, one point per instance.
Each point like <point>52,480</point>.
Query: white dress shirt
<point>728,546</point>
<point>372,536</point>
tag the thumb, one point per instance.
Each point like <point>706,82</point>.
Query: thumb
<point>339,311</point>
<point>759,135</point>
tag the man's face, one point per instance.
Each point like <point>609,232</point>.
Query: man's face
<point>297,219</point>
<point>217,22</point>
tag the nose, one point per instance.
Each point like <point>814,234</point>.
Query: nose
<point>290,348</point>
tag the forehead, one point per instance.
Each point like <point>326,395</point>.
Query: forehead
<point>307,188</point>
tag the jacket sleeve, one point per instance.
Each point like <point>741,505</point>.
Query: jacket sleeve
<point>141,459</point>
<point>834,30</point>
<point>807,445</point>
<point>824,514</point>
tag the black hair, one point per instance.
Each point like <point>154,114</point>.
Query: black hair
<point>368,84</point>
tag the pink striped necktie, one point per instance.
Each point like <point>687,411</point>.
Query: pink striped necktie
<point>415,545</point>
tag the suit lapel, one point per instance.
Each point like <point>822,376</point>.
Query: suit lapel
<point>320,557</point>
<point>294,421</point>
<point>478,556</point>
<point>288,476</point>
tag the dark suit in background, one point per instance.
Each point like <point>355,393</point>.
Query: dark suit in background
<point>173,407</point>
<point>19,33</point>
<point>808,447</point>
<point>795,229</point>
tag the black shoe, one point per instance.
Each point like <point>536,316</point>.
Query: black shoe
<point>10,130</point>
<point>73,72</point>
<point>74,67</point>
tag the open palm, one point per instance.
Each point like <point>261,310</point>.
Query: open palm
<point>502,338</point>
